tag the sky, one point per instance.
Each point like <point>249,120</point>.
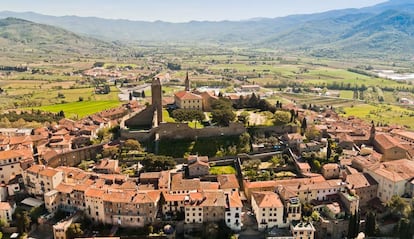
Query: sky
<point>180,10</point>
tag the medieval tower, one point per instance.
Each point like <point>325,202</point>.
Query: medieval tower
<point>187,83</point>
<point>156,92</point>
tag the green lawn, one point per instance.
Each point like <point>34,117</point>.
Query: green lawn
<point>81,109</point>
<point>166,117</point>
<point>219,170</point>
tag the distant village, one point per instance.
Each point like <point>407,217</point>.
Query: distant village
<point>344,169</point>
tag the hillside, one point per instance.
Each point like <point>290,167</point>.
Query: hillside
<point>28,40</point>
<point>381,31</point>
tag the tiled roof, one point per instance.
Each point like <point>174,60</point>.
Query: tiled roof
<point>228,181</point>
<point>185,95</point>
<point>234,200</point>
<point>5,155</point>
<point>267,200</point>
<point>387,141</point>
<point>397,170</point>
<point>360,180</point>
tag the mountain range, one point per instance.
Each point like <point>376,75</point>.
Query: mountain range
<point>385,30</point>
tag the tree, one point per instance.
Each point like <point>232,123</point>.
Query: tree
<point>243,117</point>
<point>370,224</point>
<point>110,152</point>
<point>304,125</point>
<point>22,220</point>
<point>187,115</point>
<point>281,118</point>
<point>221,104</point>
<point>132,144</point>
<point>328,151</point>
<point>315,216</point>
<point>276,161</point>
<point>312,133</point>
<point>61,114</point>
<point>223,117</point>
<point>253,101</point>
<point>353,227</point>
<point>397,206</point>
<point>74,230</point>
<point>244,143</point>
<point>157,163</point>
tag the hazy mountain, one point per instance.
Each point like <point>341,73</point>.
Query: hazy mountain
<point>24,38</point>
<point>382,29</point>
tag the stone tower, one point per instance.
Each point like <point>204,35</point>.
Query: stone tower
<point>187,83</point>
<point>156,92</point>
<point>372,133</point>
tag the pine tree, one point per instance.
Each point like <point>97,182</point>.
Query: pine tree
<point>328,151</point>
<point>304,124</point>
<point>370,224</point>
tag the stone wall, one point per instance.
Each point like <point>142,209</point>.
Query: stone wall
<point>183,131</point>
<point>75,156</point>
<point>273,130</point>
<point>141,119</point>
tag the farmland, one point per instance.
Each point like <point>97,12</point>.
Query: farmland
<point>79,110</point>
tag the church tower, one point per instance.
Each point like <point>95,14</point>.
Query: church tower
<point>187,83</point>
<point>372,133</point>
<point>156,92</point>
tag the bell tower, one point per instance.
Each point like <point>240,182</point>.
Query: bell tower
<point>187,82</point>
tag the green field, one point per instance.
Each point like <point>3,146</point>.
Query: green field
<point>219,170</point>
<point>81,109</point>
<point>385,114</point>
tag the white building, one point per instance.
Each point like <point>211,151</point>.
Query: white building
<point>233,212</point>
<point>268,210</point>
<point>394,178</point>
<point>6,212</point>
<point>9,165</point>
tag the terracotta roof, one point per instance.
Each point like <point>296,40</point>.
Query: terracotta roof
<point>209,185</point>
<point>180,184</point>
<point>267,200</point>
<point>5,155</point>
<point>123,196</point>
<point>48,172</point>
<point>185,95</point>
<point>143,198</point>
<point>404,133</point>
<point>150,175</point>
<point>387,141</point>
<point>173,197</point>
<point>234,200</point>
<point>64,188</point>
<point>36,168</point>
<point>94,192</point>
<point>330,166</point>
<point>228,181</point>
<point>5,206</point>
<point>213,199</point>
<point>397,170</point>
<point>360,180</point>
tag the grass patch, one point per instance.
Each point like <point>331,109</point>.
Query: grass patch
<point>219,170</point>
<point>166,117</point>
<point>80,109</point>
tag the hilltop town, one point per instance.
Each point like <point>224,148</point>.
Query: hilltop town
<point>312,173</point>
